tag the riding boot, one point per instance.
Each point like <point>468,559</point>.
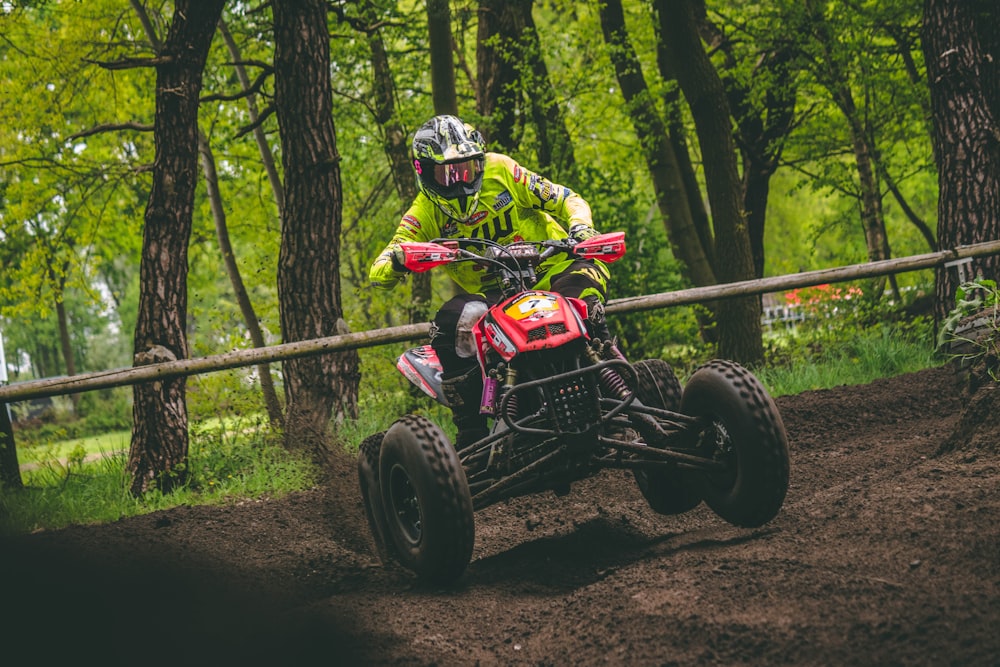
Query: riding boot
<point>597,324</point>
<point>464,394</point>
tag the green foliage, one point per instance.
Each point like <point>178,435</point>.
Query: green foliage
<point>95,413</point>
<point>971,332</point>
<point>971,298</point>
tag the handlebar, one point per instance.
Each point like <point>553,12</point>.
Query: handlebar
<point>514,259</point>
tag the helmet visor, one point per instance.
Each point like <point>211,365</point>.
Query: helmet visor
<point>453,173</point>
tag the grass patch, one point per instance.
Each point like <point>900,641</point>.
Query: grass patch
<point>105,444</point>
<point>226,462</point>
<point>878,352</point>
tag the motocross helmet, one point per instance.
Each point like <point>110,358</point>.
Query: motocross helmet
<point>449,157</point>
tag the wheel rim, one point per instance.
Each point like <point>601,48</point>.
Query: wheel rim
<point>719,443</point>
<point>405,505</point>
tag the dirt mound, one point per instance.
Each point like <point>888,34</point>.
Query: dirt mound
<point>886,552</point>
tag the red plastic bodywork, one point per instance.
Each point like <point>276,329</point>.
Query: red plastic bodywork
<point>529,321</point>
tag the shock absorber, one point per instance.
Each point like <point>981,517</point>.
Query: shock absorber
<point>611,381</point>
<point>614,384</point>
<point>509,381</point>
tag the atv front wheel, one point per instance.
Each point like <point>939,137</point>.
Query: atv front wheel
<point>426,498</point>
<point>743,431</point>
<point>667,490</point>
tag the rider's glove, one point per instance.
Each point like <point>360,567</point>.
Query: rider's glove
<point>581,231</point>
<point>398,259</point>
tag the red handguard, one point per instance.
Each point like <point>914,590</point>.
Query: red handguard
<point>420,257</point>
<point>604,247</point>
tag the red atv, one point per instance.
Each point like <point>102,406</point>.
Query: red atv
<point>563,406</point>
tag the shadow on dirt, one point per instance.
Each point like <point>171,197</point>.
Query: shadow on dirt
<point>588,553</point>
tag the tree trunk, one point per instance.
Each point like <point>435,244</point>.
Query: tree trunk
<point>498,95</point>
<point>677,134</point>
<point>442,61</point>
<point>442,64</point>
<point>65,341</point>
<point>159,444</point>
<point>271,401</point>
<point>763,106</point>
<point>668,185</point>
<point>309,260</point>
<point>961,40</point>
<point>740,337</point>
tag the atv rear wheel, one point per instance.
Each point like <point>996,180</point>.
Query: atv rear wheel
<point>425,494</point>
<point>667,490</point>
<point>745,432</point>
<point>371,495</point>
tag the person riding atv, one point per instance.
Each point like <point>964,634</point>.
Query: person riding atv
<point>469,193</point>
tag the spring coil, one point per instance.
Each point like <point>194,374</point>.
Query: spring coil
<point>512,407</point>
<point>614,384</point>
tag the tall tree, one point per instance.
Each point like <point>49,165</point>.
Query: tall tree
<point>831,66</point>
<point>309,260</point>
<point>497,93</point>
<point>442,60</point>
<point>511,74</point>
<point>263,147</point>
<point>739,318</point>
<point>160,425</point>
<point>208,168</point>
<point>211,173</point>
<point>668,183</point>
<point>961,41</point>
<point>761,89</point>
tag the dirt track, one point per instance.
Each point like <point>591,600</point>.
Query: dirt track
<point>885,553</point>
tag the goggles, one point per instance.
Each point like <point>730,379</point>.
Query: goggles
<point>451,173</point>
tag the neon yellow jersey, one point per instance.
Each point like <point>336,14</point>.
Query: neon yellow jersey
<point>515,204</point>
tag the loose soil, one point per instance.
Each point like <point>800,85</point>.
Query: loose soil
<point>886,552</point>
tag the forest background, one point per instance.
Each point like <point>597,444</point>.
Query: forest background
<point>831,143</point>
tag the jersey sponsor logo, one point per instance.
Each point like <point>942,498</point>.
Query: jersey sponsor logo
<point>543,189</point>
<point>503,199</point>
<point>498,227</point>
<point>410,224</point>
<point>523,176</point>
<point>477,217</point>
